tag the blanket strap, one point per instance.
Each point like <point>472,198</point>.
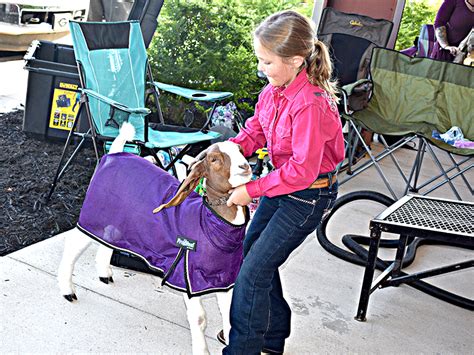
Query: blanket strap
<point>179,256</point>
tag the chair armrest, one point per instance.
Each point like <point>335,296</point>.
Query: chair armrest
<point>192,94</point>
<point>355,86</point>
<point>116,104</point>
<point>356,95</point>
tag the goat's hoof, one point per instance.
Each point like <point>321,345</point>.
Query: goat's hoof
<point>106,280</point>
<point>70,298</point>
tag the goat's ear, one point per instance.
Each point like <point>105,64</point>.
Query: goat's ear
<point>196,160</point>
<point>188,185</point>
<point>199,158</point>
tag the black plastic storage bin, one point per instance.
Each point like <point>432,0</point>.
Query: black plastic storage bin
<point>52,101</point>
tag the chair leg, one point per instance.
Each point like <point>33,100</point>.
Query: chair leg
<point>416,169</point>
<point>92,132</point>
<point>61,169</point>
<point>375,163</point>
<point>457,166</point>
<point>392,156</point>
<point>443,172</point>
<point>172,162</point>
<point>209,117</point>
<point>353,140</point>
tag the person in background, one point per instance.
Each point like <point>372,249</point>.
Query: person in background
<point>454,20</point>
<point>297,118</point>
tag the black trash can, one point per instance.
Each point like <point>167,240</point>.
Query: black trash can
<point>52,99</point>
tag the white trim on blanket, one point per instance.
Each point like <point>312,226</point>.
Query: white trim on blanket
<point>187,290</point>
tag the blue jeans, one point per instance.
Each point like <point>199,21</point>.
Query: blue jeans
<point>260,317</point>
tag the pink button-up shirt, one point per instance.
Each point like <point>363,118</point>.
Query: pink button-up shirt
<point>302,128</point>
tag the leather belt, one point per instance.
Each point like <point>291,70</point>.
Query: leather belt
<point>323,182</point>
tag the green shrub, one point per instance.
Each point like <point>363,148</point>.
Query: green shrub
<point>208,45</point>
<point>415,14</point>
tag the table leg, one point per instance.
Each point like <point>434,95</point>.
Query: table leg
<point>365,292</point>
<point>402,243</point>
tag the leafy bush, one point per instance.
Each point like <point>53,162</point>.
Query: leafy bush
<point>415,14</point>
<point>208,45</point>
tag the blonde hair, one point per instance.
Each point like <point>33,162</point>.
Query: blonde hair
<point>288,34</point>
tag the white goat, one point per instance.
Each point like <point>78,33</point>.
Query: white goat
<point>223,167</point>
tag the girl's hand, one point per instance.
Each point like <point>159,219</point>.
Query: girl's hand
<point>239,196</point>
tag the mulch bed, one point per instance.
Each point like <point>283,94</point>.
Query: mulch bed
<point>27,167</point>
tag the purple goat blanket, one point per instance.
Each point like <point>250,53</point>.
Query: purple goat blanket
<point>117,211</point>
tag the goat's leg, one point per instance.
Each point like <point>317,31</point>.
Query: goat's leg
<point>197,323</point>
<point>102,259</point>
<point>224,300</point>
<point>75,242</point>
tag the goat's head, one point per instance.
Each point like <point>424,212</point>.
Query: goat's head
<point>224,167</point>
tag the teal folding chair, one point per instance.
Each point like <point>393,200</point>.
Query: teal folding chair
<point>115,78</point>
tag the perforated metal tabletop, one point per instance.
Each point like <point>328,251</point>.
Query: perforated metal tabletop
<point>429,214</point>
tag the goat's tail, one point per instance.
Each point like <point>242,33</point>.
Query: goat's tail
<point>127,133</point>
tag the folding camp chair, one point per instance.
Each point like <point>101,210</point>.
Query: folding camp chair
<point>350,39</point>
<point>113,67</point>
<point>417,96</point>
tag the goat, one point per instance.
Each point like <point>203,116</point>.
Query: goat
<point>118,212</point>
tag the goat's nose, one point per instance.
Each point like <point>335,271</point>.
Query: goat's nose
<point>245,167</point>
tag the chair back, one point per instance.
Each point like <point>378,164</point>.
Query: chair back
<point>350,56</point>
<point>112,61</point>
<point>350,39</point>
<point>419,95</point>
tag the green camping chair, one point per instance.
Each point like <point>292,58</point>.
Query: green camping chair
<point>414,97</point>
<point>115,79</point>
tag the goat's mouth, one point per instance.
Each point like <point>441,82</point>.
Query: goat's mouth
<point>246,175</point>
<point>240,179</point>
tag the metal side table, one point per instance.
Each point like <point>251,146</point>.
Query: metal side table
<point>421,217</point>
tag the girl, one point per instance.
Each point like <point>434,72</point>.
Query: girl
<point>296,117</point>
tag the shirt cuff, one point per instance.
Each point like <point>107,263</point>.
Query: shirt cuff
<point>253,189</point>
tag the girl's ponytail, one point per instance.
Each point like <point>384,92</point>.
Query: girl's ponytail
<point>289,34</point>
<point>320,69</point>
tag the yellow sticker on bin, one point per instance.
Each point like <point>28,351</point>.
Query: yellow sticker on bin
<point>64,108</point>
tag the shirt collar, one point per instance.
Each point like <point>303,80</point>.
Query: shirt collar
<point>295,86</point>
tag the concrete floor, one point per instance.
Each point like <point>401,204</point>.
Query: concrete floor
<point>137,315</point>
